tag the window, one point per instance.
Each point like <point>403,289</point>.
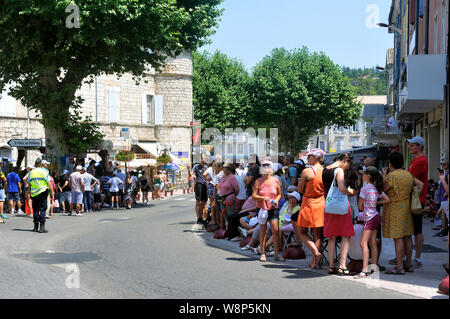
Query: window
<point>7,103</point>
<point>339,145</point>
<point>251,148</point>
<point>322,131</point>
<point>341,129</point>
<point>230,148</point>
<point>355,127</point>
<point>322,145</point>
<point>113,105</point>
<point>5,153</point>
<point>355,142</point>
<point>149,109</point>
<point>240,148</point>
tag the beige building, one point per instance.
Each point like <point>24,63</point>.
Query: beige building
<point>336,139</point>
<point>147,117</point>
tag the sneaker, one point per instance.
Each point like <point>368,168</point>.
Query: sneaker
<point>246,247</point>
<point>242,231</point>
<point>4,216</point>
<point>417,263</point>
<point>69,214</point>
<point>79,214</point>
<point>20,212</point>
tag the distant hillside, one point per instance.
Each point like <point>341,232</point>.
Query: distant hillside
<point>368,81</point>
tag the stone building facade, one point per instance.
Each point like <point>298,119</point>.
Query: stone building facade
<point>154,114</point>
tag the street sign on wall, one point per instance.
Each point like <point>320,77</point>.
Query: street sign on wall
<point>25,143</point>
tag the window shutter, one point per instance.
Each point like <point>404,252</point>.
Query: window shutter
<point>113,106</point>
<point>7,103</point>
<point>144,108</point>
<point>158,110</point>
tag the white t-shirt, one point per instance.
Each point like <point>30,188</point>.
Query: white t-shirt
<point>242,195</point>
<point>355,251</point>
<point>114,182</point>
<point>88,178</point>
<point>211,175</point>
<point>122,177</point>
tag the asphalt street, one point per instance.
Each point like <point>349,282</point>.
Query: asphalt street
<point>152,252</point>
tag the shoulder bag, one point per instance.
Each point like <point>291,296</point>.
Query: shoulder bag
<point>336,202</point>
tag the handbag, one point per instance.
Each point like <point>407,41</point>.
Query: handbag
<point>336,202</point>
<point>416,206</point>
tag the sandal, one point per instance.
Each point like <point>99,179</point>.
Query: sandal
<point>344,271</point>
<point>395,271</point>
<point>279,258</point>
<point>263,258</point>
<point>409,269</point>
<point>2,221</point>
<point>332,270</point>
<point>362,274</point>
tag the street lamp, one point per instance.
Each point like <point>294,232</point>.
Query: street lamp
<point>391,27</point>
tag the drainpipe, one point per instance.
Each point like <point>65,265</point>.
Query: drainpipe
<point>427,25</point>
<point>416,49</point>
<point>96,101</point>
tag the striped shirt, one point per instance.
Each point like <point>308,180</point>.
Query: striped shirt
<point>370,195</point>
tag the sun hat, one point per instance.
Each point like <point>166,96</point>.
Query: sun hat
<point>295,194</point>
<point>316,152</point>
<point>417,140</point>
<point>65,171</point>
<point>292,188</point>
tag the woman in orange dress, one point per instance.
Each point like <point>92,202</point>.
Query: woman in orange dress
<point>312,210</point>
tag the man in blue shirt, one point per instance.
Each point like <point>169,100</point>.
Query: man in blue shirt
<point>292,172</point>
<point>14,191</point>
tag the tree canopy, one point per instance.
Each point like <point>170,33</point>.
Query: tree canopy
<point>46,62</point>
<point>221,91</point>
<point>299,92</point>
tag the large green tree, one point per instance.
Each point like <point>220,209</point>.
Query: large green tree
<point>46,57</point>
<point>220,84</point>
<point>299,92</point>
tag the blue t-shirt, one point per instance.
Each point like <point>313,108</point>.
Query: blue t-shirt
<point>13,182</point>
<point>292,173</point>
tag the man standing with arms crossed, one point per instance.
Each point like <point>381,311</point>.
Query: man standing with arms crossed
<point>419,169</point>
<point>40,187</point>
<point>76,183</point>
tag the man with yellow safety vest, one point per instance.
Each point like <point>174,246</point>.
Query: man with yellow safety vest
<point>40,187</point>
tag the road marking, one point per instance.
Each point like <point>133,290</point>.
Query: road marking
<point>179,198</point>
<point>50,251</point>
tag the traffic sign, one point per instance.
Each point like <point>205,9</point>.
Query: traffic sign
<point>25,143</point>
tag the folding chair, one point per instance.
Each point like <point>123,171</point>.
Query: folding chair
<point>286,240</point>
<point>324,250</point>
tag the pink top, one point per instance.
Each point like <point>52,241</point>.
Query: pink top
<point>267,191</point>
<point>227,185</point>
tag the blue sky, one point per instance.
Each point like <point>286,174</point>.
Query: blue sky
<point>250,29</point>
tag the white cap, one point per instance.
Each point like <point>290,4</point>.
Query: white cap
<point>294,194</point>
<point>417,140</point>
<point>78,168</point>
<point>44,162</point>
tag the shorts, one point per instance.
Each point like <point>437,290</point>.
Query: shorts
<point>77,198</point>
<point>373,224</point>
<point>211,190</point>
<point>417,222</point>
<point>97,198</point>
<point>2,195</point>
<point>201,193</point>
<point>294,217</point>
<point>65,196</point>
<point>15,196</point>
<point>114,193</point>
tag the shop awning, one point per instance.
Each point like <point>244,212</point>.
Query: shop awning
<point>149,148</point>
<point>139,162</point>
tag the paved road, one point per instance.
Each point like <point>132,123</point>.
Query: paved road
<point>151,252</point>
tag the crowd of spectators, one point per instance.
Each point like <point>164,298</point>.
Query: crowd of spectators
<point>270,207</point>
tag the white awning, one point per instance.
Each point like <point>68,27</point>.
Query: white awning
<point>138,163</point>
<point>150,147</point>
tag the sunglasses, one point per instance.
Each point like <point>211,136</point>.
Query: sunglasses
<point>266,165</point>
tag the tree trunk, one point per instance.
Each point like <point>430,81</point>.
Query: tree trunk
<point>55,151</point>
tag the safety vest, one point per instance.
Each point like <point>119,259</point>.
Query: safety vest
<point>38,181</point>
